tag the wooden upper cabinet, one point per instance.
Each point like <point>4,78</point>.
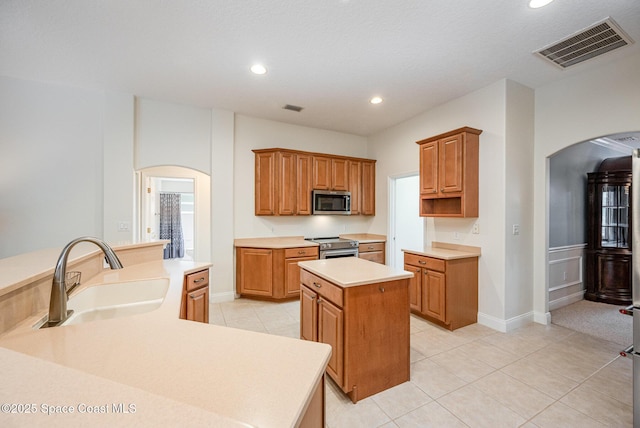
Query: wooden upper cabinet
<point>368,195</point>
<point>330,173</point>
<point>304,179</point>
<point>286,183</point>
<point>285,179</point>
<point>449,165</point>
<point>355,185</point>
<point>429,168</point>
<point>265,189</point>
<point>340,174</point>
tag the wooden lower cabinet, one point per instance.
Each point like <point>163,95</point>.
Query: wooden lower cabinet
<point>443,291</point>
<point>195,297</point>
<point>373,252</point>
<point>271,273</point>
<point>367,327</point>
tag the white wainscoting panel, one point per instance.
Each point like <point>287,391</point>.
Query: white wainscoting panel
<point>566,275</point>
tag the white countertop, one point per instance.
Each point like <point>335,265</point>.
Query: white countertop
<point>156,360</point>
<point>353,271</point>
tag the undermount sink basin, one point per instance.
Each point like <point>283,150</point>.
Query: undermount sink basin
<point>116,300</point>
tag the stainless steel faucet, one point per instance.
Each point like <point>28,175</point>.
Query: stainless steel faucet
<point>58,304</point>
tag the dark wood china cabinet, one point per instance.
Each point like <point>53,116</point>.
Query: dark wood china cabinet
<point>608,270</point>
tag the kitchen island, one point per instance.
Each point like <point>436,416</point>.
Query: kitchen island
<point>154,369</point>
<point>361,309</point>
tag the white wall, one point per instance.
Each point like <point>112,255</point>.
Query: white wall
<point>51,165</point>
<point>252,133</point>
<point>503,111</point>
<point>592,104</point>
<point>172,134</point>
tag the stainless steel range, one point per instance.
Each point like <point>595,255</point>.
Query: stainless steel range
<point>334,247</point>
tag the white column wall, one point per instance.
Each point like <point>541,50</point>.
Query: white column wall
<point>222,205</point>
<point>119,178</point>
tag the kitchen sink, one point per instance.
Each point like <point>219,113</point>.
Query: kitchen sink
<point>116,300</point>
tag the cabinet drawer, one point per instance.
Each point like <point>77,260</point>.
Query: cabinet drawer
<point>425,262</point>
<point>197,279</point>
<point>323,287</point>
<point>291,253</point>
<point>374,246</point>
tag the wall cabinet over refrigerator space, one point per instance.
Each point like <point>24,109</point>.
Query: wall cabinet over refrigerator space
<point>285,178</point>
<point>449,165</point>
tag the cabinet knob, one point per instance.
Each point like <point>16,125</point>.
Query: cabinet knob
<point>370,247</point>
<point>381,289</point>
<point>301,252</point>
<point>422,262</point>
<point>198,280</point>
<point>442,190</point>
<point>317,284</point>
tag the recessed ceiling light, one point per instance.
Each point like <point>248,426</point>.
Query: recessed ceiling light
<point>534,4</point>
<point>258,69</point>
<point>375,100</point>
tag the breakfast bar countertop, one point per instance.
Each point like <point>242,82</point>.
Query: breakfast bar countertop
<point>161,364</point>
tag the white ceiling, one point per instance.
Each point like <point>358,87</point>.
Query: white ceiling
<point>328,56</point>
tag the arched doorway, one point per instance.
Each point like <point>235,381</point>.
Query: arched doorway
<point>193,189</point>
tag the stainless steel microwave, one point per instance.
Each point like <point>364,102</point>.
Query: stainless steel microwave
<point>331,202</point>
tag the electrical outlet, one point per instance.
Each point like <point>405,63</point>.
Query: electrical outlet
<point>476,228</point>
<point>123,226</point>
<point>516,229</point>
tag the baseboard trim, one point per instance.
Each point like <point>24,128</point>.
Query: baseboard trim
<point>542,317</point>
<point>505,326</point>
<point>566,300</point>
<point>227,296</point>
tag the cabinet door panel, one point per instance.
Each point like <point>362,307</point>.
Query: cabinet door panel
<point>450,176</point>
<point>415,287</point>
<point>265,197</point>
<point>339,174</point>
<point>286,183</point>
<point>373,256</point>
<point>368,196</point>
<point>330,331</point>
<point>198,305</point>
<point>355,185</point>
<point>303,188</point>
<point>433,295</point>
<point>321,173</point>
<point>292,275</point>
<point>308,314</point>
<point>256,271</point>
<point>429,168</point>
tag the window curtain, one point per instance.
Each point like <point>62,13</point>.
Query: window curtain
<point>171,225</point>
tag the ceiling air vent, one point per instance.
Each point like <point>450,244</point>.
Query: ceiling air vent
<point>601,37</point>
<point>297,109</point>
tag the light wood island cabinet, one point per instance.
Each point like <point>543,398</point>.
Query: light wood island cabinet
<point>367,325</point>
<point>443,291</point>
<point>449,166</point>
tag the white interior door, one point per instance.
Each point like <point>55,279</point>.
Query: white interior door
<point>406,225</point>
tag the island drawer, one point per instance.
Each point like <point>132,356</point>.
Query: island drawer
<point>425,262</point>
<point>291,253</point>
<point>323,287</point>
<point>197,280</point>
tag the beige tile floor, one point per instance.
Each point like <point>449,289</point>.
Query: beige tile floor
<point>536,376</point>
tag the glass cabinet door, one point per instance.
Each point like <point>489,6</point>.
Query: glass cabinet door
<point>615,216</point>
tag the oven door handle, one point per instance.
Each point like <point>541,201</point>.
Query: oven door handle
<point>339,253</point>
